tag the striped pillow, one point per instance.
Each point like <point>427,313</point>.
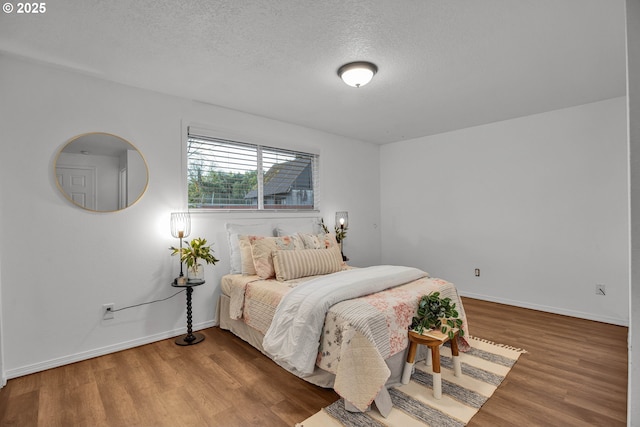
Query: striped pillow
<point>246,257</point>
<point>290,265</point>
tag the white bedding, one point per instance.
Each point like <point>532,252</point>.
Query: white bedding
<point>293,338</point>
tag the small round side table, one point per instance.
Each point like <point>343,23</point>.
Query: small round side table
<point>191,337</point>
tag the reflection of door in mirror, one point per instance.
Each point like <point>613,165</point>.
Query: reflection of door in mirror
<point>101,172</point>
<point>122,203</point>
<point>79,184</point>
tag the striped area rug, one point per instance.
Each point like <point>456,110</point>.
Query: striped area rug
<point>484,367</point>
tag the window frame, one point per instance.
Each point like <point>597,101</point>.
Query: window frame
<point>260,143</point>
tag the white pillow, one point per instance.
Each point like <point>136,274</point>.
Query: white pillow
<point>235,230</point>
<point>307,225</point>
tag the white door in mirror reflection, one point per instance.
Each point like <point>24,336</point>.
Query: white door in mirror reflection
<point>122,203</point>
<point>79,184</point>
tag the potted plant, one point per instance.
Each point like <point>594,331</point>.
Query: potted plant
<point>437,313</point>
<point>193,251</point>
<point>341,231</point>
<point>341,234</point>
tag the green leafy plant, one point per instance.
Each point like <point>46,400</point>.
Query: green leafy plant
<point>437,313</point>
<point>341,232</point>
<point>195,250</point>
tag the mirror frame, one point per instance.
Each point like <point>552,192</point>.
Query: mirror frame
<point>75,139</point>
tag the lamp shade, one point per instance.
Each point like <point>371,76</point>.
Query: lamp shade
<point>357,74</point>
<point>342,219</point>
<point>180,224</point>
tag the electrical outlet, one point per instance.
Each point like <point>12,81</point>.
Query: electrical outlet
<point>477,272</point>
<point>601,290</point>
<point>107,311</point>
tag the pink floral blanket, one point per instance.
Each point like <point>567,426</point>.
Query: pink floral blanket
<point>388,312</point>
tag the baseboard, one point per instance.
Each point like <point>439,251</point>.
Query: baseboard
<point>73,358</point>
<point>549,309</point>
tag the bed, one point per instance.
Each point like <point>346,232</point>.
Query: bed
<point>293,298</point>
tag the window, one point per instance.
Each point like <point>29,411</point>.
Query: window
<point>225,174</point>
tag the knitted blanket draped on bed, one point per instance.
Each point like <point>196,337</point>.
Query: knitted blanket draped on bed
<point>294,335</point>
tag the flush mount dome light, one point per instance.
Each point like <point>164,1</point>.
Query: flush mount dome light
<point>357,74</point>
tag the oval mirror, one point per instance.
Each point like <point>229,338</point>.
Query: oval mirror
<point>101,172</point>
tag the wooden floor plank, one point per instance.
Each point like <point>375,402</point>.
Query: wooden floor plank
<point>573,374</point>
<point>565,355</point>
<point>21,411</point>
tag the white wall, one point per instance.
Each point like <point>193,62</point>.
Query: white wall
<point>633,90</point>
<point>3,378</point>
<point>59,263</point>
<point>538,203</point>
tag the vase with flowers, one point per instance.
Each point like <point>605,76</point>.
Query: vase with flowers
<point>192,252</point>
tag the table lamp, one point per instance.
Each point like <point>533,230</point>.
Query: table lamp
<point>180,228</point>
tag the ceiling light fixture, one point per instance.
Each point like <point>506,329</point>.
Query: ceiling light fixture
<point>357,74</point>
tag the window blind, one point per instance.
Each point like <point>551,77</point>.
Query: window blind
<point>226,174</point>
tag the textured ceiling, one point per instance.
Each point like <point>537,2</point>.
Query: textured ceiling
<point>443,65</point>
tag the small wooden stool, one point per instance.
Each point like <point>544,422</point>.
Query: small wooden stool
<point>434,340</point>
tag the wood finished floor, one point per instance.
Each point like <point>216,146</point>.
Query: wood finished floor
<point>574,374</point>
